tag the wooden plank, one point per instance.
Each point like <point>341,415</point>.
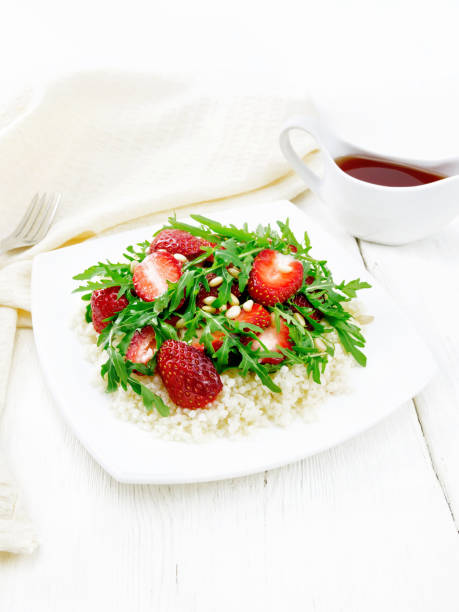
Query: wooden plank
<point>362,526</point>
<point>423,277</point>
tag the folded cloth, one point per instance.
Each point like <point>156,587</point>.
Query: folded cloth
<point>123,149</point>
<point>16,532</point>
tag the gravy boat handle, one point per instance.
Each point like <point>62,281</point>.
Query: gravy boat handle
<point>312,126</point>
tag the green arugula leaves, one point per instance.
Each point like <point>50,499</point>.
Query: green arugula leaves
<point>235,247</point>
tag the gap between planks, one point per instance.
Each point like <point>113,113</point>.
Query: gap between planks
<point>418,416</point>
<point>432,463</point>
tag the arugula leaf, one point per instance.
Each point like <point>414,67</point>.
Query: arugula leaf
<point>88,314</point>
<point>351,288</point>
<point>230,231</point>
<point>150,399</point>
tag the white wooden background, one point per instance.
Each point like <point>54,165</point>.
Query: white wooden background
<point>369,525</point>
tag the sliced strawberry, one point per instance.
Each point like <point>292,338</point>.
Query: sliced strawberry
<point>217,341</point>
<point>272,340</point>
<point>151,275</point>
<point>142,346</point>
<point>301,300</point>
<point>172,320</point>
<point>203,293</point>
<point>188,374</point>
<point>179,241</point>
<point>274,277</point>
<point>257,316</point>
<point>198,345</point>
<point>104,304</point>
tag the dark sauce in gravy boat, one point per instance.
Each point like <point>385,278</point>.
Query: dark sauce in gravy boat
<point>386,173</point>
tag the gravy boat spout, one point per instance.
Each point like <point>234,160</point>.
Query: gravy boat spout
<point>373,212</point>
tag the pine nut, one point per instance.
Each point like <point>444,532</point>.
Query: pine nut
<point>223,308</point>
<point>134,264</point>
<point>299,317</point>
<point>215,282</point>
<point>247,306</point>
<point>180,323</point>
<point>209,299</point>
<point>234,271</point>
<point>233,312</point>
<point>233,299</point>
<point>320,345</point>
<point>364,319</point>
<point>180,257</point>
<point>209,309</point>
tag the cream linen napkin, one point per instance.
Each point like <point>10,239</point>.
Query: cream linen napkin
<point>122,148</point>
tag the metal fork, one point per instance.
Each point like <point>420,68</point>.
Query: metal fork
<point>35,223</point>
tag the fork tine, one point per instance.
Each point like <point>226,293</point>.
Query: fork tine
<point>33,218</point>
<point>26,216</point>
<point>35,223</point>
<point>47,218</point>
<point>54,207</point>
<point>39,222</point>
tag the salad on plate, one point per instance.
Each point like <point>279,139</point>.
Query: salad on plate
<point>214,329</point>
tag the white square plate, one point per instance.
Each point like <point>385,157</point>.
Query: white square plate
<point>398,366</point>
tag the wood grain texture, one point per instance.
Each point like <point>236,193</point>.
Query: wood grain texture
<point>423,277</point>
<point>364,526</point>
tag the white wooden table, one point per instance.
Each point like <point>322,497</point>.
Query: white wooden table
<point>369,525</point>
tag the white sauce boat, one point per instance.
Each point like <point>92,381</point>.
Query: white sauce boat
<point>388,215</point>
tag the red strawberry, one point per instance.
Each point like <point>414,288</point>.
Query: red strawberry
<point>301,300</point>
<point>151,275</point>
<point>104,304</point>
<point>274,277</point>
<point>188,374</point>
<point>274,339</point>
<point>257,316</point>
<point>172,320</point>
<point>217,341</point>
<point>203,293</point>
<point>142,346</point>
<point>178,241</point>
<point>198,345</point>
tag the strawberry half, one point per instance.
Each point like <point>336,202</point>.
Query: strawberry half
<point>301,300</point>
<point>142,346</point>
<point>217,341</point>
<point>272,340</point>
<point>274,277</point>
<point>257,316</point>
<point>188,374</point>
<point>151,275</point>
<point>179,241</point>
<point>172,320</point>
<point>104,304</point>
